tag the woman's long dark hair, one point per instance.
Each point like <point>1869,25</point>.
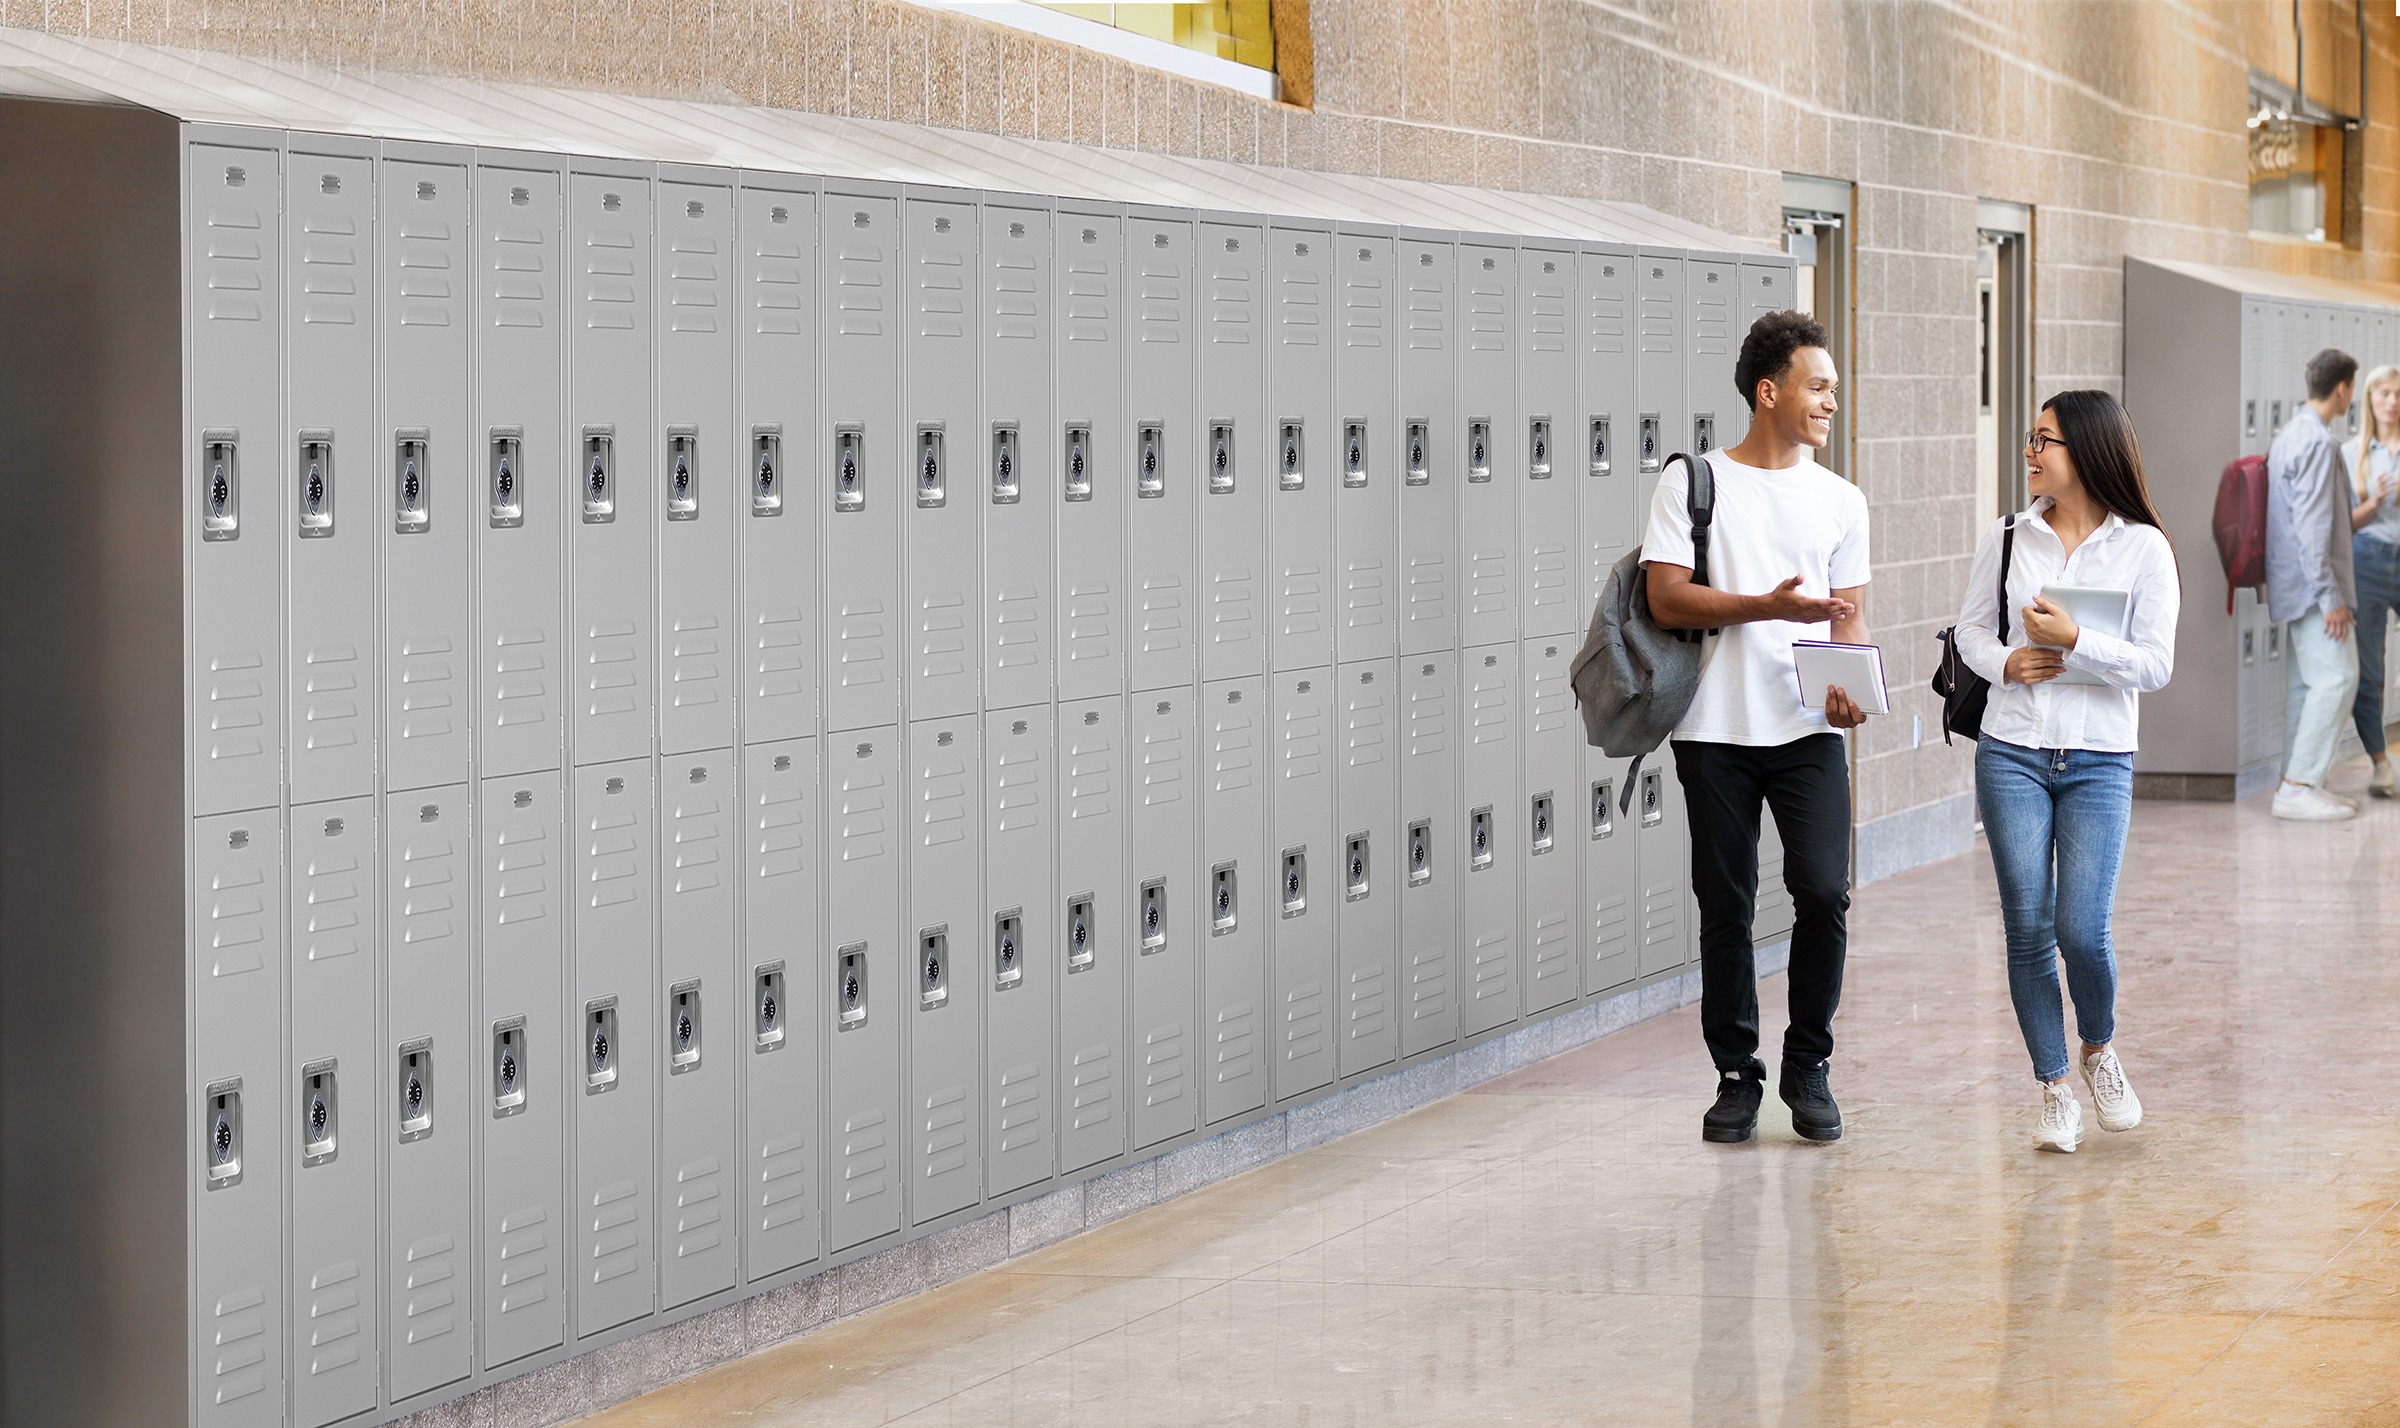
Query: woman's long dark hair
<point>2107,455</point>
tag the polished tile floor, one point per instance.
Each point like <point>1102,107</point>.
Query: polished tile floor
<point>1559,1247</point>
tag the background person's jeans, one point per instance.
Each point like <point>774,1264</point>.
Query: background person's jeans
<point>2056,821</point>
<point>2324,677</point>
<point>2377,563</point>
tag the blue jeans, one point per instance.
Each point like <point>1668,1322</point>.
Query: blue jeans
<point>2056,820</point>
<point>2377,563</point>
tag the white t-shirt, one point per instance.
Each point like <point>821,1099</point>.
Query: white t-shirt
<point>1769,526</point>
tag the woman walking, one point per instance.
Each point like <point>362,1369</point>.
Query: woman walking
<point>2054,768</point>
<point>2375,556</point>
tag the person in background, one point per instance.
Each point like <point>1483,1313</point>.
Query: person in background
<point>2054,767</point>
<point>2375,558</point>
<point>2309,587</point>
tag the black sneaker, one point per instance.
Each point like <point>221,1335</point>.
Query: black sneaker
<point>1734,1118</point>
<point>1814,1115</point>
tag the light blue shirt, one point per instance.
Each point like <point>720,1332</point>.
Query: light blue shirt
<point>2308,521</point>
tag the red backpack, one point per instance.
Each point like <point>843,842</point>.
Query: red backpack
<point>2240,524</point>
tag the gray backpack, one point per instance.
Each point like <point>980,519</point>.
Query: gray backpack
<point>1635,679</point>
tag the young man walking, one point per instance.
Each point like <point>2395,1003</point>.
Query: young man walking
<point>1787,560</point>
<point>2310,589</point>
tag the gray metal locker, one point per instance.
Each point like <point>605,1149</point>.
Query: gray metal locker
<point>1659,430</point>
<point>1162,450</point>
<point>1548,563</point>
<point>858,268</point>
<point>1429,867</point>
<point>944,991</point>
<point>332,1258</point>
<point>430,1046</point>
<point>1304,433</point>
<point>1490,445</point>
<point>776,434</point>
<point>1232,451</point>
<point>329,631</point>
<point>1546,816</point>
<point>1368,441</point>
<point>1017,453</point>
<point>2280,366</point>
<point>865,810</point>
<point>1093,931</point>
<point>432,467</point>
<point>239,1111</point>
<point>1713,329</point>
<point>1095,452</point>
<point>703,466</point>
<point>234,330</point>
<point>524,482</point>
<point>1663,860</point>
<point>1161,744</point>
<point>942,438</point>
<point>1767,286</point>
<point>1610,952</point>
<point>1305,856</point>
<point>523,1067</point>
<point>1607,425</point>
<point>612,434</point>
<point>1428,437</point>
<point>1013,952</point>
<point>1233,851</point>
<point>773,1030</point>
<point>609,1004</point>
<point>701,1001</point>
<point>1490,854</point>
<point>1370,869</point>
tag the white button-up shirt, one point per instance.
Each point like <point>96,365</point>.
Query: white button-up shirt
<point>2104,717</point>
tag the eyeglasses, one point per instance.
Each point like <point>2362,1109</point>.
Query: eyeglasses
<point>2038,442</point>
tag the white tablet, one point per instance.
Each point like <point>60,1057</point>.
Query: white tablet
<point>2092,609</point>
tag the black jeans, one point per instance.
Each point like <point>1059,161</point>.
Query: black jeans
<point>1807,784</point>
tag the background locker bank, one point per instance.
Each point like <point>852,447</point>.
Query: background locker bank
<point>740,716</point>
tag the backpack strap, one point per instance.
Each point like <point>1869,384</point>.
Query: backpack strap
<point>1633,776</point>
<point>2008,550</point>
<point>1700,502</point>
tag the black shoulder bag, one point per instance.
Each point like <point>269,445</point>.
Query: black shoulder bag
<point>1963,691</point>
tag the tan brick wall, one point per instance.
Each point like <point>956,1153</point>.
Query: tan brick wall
<point>2120,121</point>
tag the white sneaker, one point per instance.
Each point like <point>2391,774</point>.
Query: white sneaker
<point>2112,1098</point>
<point>2061,1126</point>
<point>2385,784</point>
<point>2303,804</point>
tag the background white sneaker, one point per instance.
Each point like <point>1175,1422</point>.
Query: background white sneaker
<point>2303,804</point>
<point>2061,1125</point>
<point>2112,1098</point>
<point>2385,783</point>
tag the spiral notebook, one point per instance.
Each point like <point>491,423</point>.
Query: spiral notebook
<point>1856,669</point>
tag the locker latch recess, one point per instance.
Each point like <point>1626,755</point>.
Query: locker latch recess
<point>1083,942</point>
<point>766,471</point>
<point>1420,852</point>
<point>1603,455</point>
<point>1356,866</point>
<point>1604,798</point>
<point>849,469</point>
<point>1416,452</point>
<point>220,488</point>
<point>1354,454</point>
<point>416,1089</point>
<point>850,987</point>
<point>1704,433</point>
<point>1220,458</point>
<point>1479,450</point>
<point>1078,473</point>
<point>1291,466</point>
<point>320,1113</point>
<point>316,485</point>
<point>1537,449</point>
<point>933,472</point>
<point>683,1027</point>
<point>1008,949</point>
<point>1544,833</point>
<point>412,481</point>
<point>508,477</point>
<point>508,1067</point>
<point>1479,838</point>
<point>767,1007</point>
<point>221,1132</point>
<point>1294,890</point>
<point>1654,805</point>
<point>599,1045</point>
<point>1150,462</point>
<point>1006,487</point>
<point>599,475</point>
<point>1154,915</point>
<point>1224,899</point>
<point>1651,455</point>
<point>683,473</point>
<point>933,967</point>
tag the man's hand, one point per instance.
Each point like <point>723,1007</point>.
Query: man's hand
<point>2338,623</point>
<point>1785,602</point>
<point>2048,624</point>
<point>1840,711</point>
<point>2030,664</point>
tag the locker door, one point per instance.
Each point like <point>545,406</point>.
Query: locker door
<point>945,986</point>
<point>1304,435</point>
<point>1491,854</point>
<point>1094,455</point>
<point>1611,957</point>
<point>1305,856</point>
<point>1232,452</point>
<point>239,1112</point>
<point>1607,423</point>
<point>1370,867</point>
<point>703,466</point>
<point>2255,434</point>
<point>2249,697</point>
<point>610,397</point>
<point>1233,971</point>
<point>432,1060</point>
<point>1427,438</point>
<point>775,428</point>
<point>526,470</point>
<point>1019,462</point>
<point>1367,524</point>
<point>2280,367</point>
<point>525,1068</point>
<point>868,971</point>
<point>1490,446</point>
<point>1546,533</point>
<point>1161,452</point>
<point>610,1006</point>
<point>1768,285</point>
<point>1428,868</point>
<point>778,1027</point>
<point>1545,819</point>
<point>941,426</point>
<point>701,1004</point>
<point>1658,371</point>
<point>1165,921</point>
<point>858,265</point>
<point>1017,938</point>
<point>1094,931</point>
<point>329,634</point>
<point>234,683</point>
<point>332,1254</point>
<point>1662,860</point>
<point>432,469</point>
<point>1713,308</point>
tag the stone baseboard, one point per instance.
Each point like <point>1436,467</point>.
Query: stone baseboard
<point>1912,838</point>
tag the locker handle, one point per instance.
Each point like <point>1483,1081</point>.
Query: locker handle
<point>1006,485</point>
<point>933,470</point>
<point>412,481</point>
<point>600,1046</point>
<point>1603,458</point>
<point>1008,949</point>
<point>1537,449</point>
<point>1354,454</point>
<point>933,967</point>
<point>508,1067</point>
<point>316,485</point>
<point>1651,455</point>
<point>1150,462</point>
<point>1417,450</point>
<point>849,469</point>
<point>1224,899</point>
<point>1479,451</point>
<point>320,1113</point>
<point>684,1028</point>
<point>850,987</point>
<point>599,475</point>
<point>1295,881</point>
<point>683,473</point>
<point>1078,460</point>
<point>221,1132</point>
<point>507,477</point>
<point>766,471</point>
<point>1154,915</point>
<point>1083,942</point>
<point>1291,467</point>
<point>415,1085</point>
<point>1357,867</point>
<point>768,1007</point>
<point>1221,472</point>
<point>220,485</point>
